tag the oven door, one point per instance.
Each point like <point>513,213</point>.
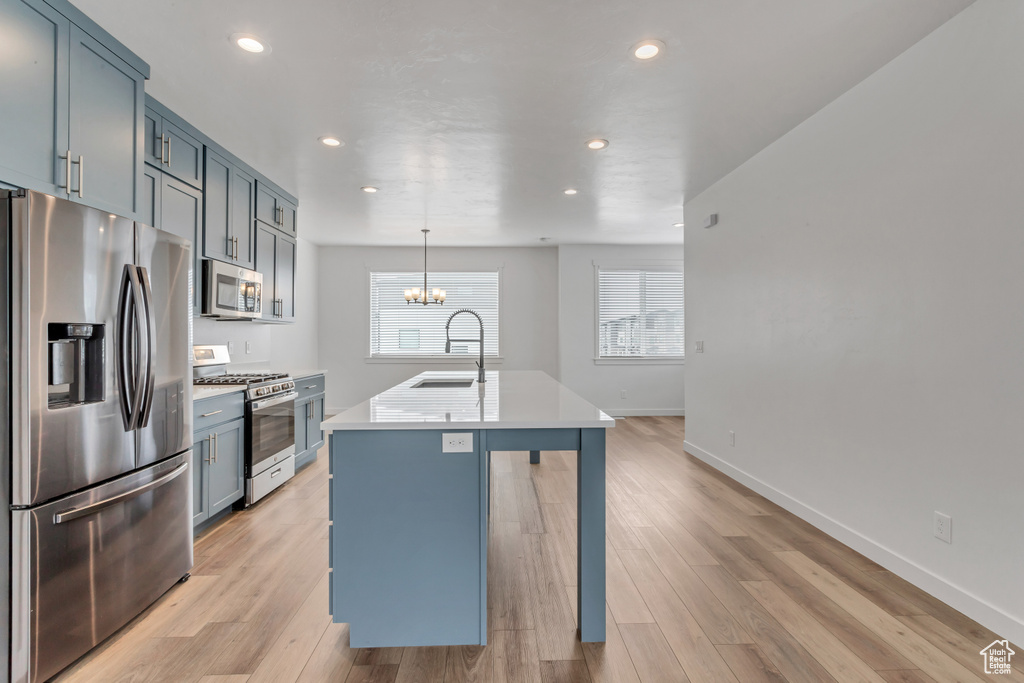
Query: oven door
<point>271,432</point>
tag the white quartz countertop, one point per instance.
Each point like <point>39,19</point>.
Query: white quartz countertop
<point>302,374</point>
<point>201,391</point>
<point>507,400</point>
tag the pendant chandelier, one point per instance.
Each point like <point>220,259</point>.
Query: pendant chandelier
<point>418,296</point>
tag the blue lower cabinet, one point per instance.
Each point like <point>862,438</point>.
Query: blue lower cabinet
<point>301,431</point>
<point>200,479</point>
<point>218,475</point>
<point>415,575</point>
<point>309,414</point>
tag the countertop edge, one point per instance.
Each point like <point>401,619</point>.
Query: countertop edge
<point>328,427</point>
<point>209,392</point>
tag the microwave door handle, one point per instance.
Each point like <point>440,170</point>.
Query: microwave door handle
<point>125,378</point>
<point>149,376</point>
<point>138,395</point>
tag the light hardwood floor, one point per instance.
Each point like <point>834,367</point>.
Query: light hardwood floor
<point>707,581</point>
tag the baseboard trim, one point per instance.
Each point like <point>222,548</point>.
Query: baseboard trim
<point>981,611</point>
<point>646,412</point>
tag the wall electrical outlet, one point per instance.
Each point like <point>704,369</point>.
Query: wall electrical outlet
<point>699,347</point>
<point>943,527</point>
<point>457,442</point>
<point>732,438</point>
<point>623,394</point>
<point>248,347</point>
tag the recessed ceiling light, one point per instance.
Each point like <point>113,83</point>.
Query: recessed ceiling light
<point>368,188</point>
<point>597,143</point>
<point>677,225</point>
<point>249,43</point>
<point>647,49</point>
<point>331,141</point>
<point>569,191</point>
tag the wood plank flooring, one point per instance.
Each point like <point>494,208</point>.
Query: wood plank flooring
<point>707,581</point>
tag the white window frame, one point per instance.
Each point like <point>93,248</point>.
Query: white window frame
<point>658,265</point>
<point>434,358</point>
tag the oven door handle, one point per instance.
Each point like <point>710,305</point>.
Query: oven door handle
<point>290,396</point>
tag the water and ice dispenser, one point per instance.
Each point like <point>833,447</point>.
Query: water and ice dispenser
<point>76,364</point>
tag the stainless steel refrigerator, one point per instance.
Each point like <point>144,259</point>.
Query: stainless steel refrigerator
<point>96,428</point>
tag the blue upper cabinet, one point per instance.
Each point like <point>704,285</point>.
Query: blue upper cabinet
<point>106,105</point>
<point>229,195</point>
<point>72,107</point>
<point>34,105</point>
<point>274,209</point>
<point>172,148</point>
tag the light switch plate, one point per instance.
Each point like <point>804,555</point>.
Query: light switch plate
<point>457,442</point>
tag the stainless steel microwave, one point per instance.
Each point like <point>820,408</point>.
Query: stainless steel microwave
<point>231,292</point>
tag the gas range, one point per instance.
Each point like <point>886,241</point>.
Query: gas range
<point>258,384</point>
<point>269,419</point>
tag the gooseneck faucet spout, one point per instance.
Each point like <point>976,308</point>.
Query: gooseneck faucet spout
<point>448,340</point>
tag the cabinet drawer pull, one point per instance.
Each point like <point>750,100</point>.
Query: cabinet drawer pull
<point>311,386</point>
<point>67,172</point>
<point>275,473</point>
<point>81,175</point>
<point>213,413</point>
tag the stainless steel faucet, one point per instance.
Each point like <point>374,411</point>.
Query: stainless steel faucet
<point>448,340</point>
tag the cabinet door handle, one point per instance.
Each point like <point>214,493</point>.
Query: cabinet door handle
<point>81,174</point>
<point>209,449</point>
<point>216,446</point>
<point>168,162</point>
<point>213,413</point>
<point>236,248</point>
<point>163,141</point>
<point>67,172</point>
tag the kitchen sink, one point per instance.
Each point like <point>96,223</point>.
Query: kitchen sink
<point>444,384</point>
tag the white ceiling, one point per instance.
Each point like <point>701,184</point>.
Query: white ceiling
<point>473,114</point>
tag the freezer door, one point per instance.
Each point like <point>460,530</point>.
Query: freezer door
<point>165,267</point>
<point>68,425</point>
<point>85,565</point>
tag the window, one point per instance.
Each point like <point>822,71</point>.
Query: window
<point>398,328</point>
<point>640,313</point>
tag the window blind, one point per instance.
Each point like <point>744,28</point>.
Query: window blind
<point>640,314</point>
<point>401,329</point>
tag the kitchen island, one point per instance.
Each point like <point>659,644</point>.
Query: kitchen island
<point>409,502</point>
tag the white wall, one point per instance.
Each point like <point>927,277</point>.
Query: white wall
<point>282,347</point>
<point>651,388</point>
<point>529,317</point>
<point>861,302</point>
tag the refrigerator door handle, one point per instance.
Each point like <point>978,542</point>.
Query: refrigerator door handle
<point>148,377</point>
<point>85,510</point>
<point>140,327</point>
<point>126,383</point>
